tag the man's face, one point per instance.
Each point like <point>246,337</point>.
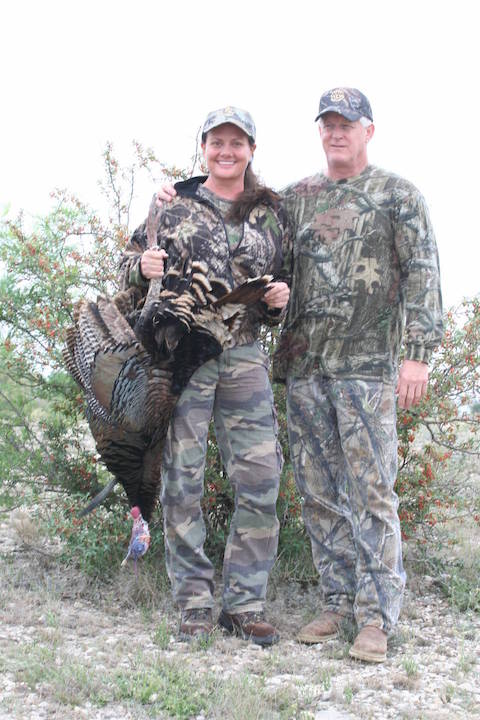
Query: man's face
<point>345,144</point>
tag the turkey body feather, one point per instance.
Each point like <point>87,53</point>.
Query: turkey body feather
<point>133,357</point>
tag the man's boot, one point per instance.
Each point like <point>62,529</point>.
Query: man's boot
<point>370,645</point>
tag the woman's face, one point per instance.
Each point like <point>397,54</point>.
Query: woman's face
<point>227,152</point>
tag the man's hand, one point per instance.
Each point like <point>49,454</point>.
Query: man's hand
<point>412,383</point>
<point>165,194</point>
<point>277,295</point>
<point>152,263</point>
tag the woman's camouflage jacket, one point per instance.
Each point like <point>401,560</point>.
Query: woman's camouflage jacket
<point>190,222</point>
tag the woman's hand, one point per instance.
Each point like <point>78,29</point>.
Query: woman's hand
<point>152,263</point>
<point>277,295</point>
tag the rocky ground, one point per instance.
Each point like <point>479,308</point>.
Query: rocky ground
<point>72,651</point>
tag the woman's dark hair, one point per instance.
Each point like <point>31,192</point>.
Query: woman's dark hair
<point>254,194</point>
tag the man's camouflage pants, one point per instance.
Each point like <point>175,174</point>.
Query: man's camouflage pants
<point>236,389</point>
<point>343,445</point>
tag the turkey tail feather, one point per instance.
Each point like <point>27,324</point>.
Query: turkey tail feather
<point>247,293</point>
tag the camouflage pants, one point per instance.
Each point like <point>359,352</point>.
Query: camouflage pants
<point>236,389</point>
<point>343,446</point>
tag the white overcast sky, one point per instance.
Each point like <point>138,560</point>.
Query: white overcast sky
<point>76,74</point>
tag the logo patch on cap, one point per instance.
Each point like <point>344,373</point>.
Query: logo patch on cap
<point>337,95</point>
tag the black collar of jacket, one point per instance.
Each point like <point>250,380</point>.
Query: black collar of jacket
<point>188,188</point>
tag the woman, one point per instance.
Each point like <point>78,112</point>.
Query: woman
<point>233,224</point>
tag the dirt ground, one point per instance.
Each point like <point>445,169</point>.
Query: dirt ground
<point>72,650</point>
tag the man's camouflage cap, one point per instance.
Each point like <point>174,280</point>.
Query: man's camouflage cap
<point>236,116</point>
<point>349,102</point>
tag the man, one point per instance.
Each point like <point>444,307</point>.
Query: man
<point>364,269</point>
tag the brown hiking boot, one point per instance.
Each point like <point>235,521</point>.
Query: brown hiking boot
<point>323,628</point>
<point>196,624</point>
<point>370,645</point>
<point>249,626</point>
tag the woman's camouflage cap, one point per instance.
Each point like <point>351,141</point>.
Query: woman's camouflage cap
<point>236,116</point>
<point>349,102</point>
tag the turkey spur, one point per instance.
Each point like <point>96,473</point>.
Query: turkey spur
<point>133,356</point>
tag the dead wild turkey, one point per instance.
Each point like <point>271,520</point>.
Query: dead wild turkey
<point>132,359</point>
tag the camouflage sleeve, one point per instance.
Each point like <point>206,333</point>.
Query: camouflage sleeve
<point>129,271</point>
<point>417,250</point>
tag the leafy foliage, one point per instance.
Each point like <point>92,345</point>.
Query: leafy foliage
<point>444,426</point>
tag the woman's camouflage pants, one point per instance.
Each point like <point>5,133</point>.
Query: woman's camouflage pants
<point>236,389</point>
<point>343,446</point>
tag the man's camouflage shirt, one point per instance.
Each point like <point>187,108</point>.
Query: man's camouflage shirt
<point>192,223</point>
<point>364,266</point>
